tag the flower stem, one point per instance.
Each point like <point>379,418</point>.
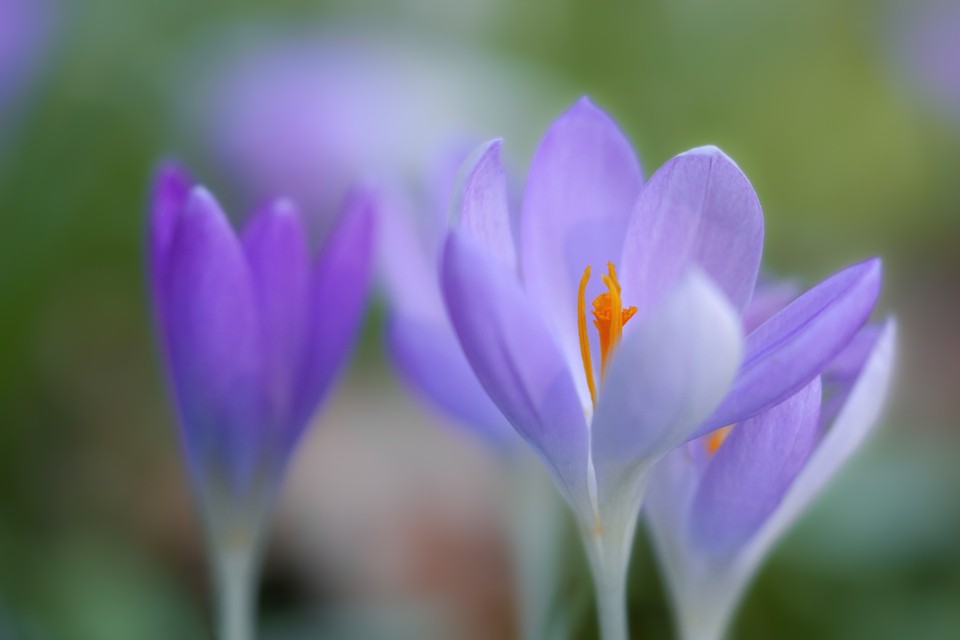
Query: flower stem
<point>609,555</point>
<point>236,584</point>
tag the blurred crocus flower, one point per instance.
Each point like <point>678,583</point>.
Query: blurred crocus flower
<point>719,503</point>
<point>344,103</point>
<point>420,339</point>
<point>253,332</point>
<point>23,29</point>
<point>665,360</point>
<point>929,48</point>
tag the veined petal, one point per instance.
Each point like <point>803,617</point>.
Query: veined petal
<point>430,359</point>
<point>517,361</point>
<point>483,204</point>
<point>699,209</point>
<point>747,477</point>
<point>275,244</point>
<point>213,338</point>
<point>795,345</point>
<point>338,293</point>
<point>665,378</point>
<point>580,189</point>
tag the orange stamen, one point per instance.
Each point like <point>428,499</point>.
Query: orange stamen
<point>609,317</point>
<point>716,438</point>
<point>584,339</point>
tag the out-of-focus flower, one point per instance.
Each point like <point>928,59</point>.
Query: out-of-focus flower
<point>718,504</point>
<point>253,334</point>
<point>420,340</point>
<point>306,115</point>
<point>23,27</point>
<point>929,43</point>
<point>681,256</point>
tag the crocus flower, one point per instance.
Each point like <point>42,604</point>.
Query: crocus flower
<point>253,333</point>
<point>718,504</point>
<point>665,269</point>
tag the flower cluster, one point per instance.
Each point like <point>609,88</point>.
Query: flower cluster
<point>619,325</point>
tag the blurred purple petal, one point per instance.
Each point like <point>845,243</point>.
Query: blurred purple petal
<point>516,360</point>
<point>666,378</point>
<point>580,189</point>
<point>795,345</point>
<point>700,209</point>
<point>432,362</point>
<point>485,205</point>
<point>746,478</point>
<point>338,291</point>
<point>213,339</point>
<point>171,187</point>
<point>276,249</point>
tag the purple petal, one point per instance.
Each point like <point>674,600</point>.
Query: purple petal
<point>171,187</point>
<point>431,361</point>
<point>843,372</point>
<point>408,263</point>
<point>746,479</point>
<point>213,339</point>
<point>666,378</point>
<point>276,249</point>
<point>338,292</point>
<point>854,422</point>
<point>793,347</point>
<point>516,360</point>
<point>698,208</point>
<point>580,190</point>
<point>485,204</point>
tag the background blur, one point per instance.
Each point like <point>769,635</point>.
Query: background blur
<point>845,114</point>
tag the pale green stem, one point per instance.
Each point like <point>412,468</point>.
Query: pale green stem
<point>609,554</point>
<point>236,568</point>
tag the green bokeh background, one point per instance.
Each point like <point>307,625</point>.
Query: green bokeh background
<point>810,99</point>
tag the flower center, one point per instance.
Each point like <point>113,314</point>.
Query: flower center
<point>609,317</point>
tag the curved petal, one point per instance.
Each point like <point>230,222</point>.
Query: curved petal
<point>483,204</point>
<point>214,340</point>
<point>275,244</point>
<point>338,293</point>
<point>746,478</point>
<point>516,360</point>
<point>665,378</point>
<point>580,189</point>
<point>795,345</point>
<point>430,360</point>
<point>698,208</point>
<point>852,425</point>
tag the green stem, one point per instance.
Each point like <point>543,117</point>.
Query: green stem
<point>236,568</point>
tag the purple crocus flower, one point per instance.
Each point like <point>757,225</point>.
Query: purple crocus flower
<point>718,504</point>
<point>667,361</point>
<point>253,333</point>
<point>23,27</point>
